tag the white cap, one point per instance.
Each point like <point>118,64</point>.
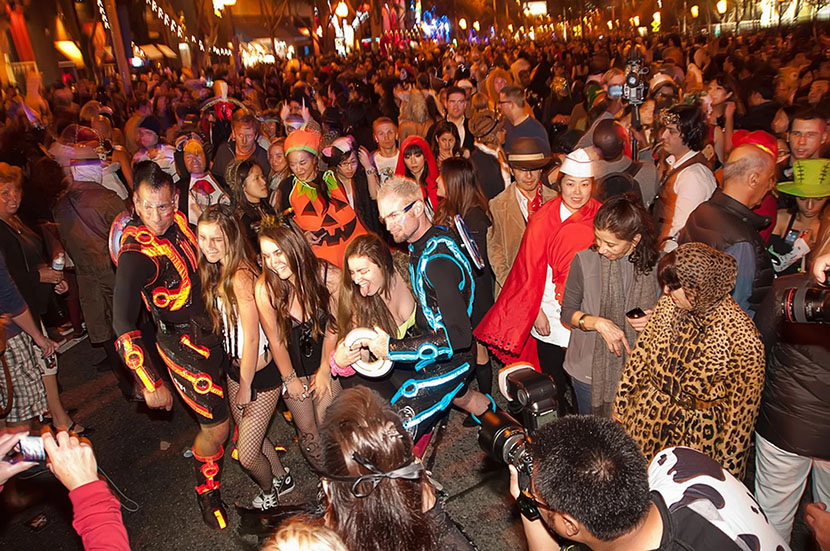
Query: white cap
<point>578,164</point>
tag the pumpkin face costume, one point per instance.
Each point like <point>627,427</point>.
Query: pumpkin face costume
<point>330,222</point>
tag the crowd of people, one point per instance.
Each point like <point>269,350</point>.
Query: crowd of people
<point>370,238</point>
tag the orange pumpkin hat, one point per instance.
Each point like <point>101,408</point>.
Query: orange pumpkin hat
<point>303,139</point>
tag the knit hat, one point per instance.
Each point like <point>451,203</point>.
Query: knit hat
<point>151,123</point>
<point>193,147</point>
<point>577,164</point>
<point>763,140</point>
<point>303,139</point>
<point>811,179</point>
<point>484,123</point>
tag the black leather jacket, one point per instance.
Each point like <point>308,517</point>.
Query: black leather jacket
<point>795,405</point>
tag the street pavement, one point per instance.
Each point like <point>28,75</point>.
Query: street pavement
<point>141,454</point>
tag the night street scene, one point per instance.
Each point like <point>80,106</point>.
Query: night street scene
<point>412,275</point>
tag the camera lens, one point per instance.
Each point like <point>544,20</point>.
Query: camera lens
<point>499,435</point>
<point>807,305</point>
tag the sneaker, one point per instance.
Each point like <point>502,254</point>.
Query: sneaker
<point>265,501</point>
<point>284,484</point>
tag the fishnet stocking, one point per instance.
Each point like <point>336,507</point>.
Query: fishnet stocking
<point>308,416</point>
<point>256,452</point>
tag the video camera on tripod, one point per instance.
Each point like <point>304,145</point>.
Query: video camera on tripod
<point>634,92</point>
<point>634,89</point>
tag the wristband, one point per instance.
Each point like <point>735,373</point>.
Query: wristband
<point>336,369</point>
<point>371,171</point>
<point>581,322</point>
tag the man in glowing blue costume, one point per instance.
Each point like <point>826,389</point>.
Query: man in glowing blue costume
<point>441,276</point>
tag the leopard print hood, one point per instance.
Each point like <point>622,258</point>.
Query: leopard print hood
<point>707,275</point>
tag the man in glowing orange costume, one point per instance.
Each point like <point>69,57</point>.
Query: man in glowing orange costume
<point>156,254</point>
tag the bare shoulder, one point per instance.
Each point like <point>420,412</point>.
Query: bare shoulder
<point>244,281</point>
<point>261,287</point>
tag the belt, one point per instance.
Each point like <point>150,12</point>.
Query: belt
<point>682,398</point>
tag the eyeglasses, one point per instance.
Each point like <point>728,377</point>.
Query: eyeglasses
<point>395,217</point>
<point>164,208</point>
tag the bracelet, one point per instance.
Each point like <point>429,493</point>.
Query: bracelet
<point>371,171</point>
<point>581,322</point>
<point>290,377</point>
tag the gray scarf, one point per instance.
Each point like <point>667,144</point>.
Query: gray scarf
<point>615,301</point>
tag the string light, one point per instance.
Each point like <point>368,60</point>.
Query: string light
<point>103,12</point>
<point>171,22</point>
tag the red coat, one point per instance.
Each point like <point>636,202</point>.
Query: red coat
<point>547,241</point>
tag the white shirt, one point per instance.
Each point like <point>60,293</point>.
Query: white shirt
<point>234,349</point>
<point>559,334</point>
<point>693,185</point>
<point>385,165</point>
<point>524,203</point>
<point>462,133</point>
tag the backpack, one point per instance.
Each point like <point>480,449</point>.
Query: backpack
<point>619,183</point>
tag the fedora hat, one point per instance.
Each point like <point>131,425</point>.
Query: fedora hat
<point>526,153</point>
<point>811,178</point>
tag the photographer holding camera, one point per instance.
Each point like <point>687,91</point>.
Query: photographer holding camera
<point>590,484</point>
<point>792,439</point>
<point>96,511</point>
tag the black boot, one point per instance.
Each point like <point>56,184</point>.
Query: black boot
<point>209,470</point>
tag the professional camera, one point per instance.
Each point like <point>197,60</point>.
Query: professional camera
<point>634,89</point>
<point>532,395</point>
<point>808,304</point>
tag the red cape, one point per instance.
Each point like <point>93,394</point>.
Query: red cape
<point>547,241</point>
<point>431,190</point>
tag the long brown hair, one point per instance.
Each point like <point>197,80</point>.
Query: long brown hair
<point>308,285</point>
<point>355,310</point>
<point>462,189</point>
<point>217,278</point>
<point>391,516</point>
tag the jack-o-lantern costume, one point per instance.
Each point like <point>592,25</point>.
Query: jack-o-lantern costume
<point>162,270</point>
<point>330,220</point>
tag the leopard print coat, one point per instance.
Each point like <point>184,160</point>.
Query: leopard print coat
<point>712,355</point>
